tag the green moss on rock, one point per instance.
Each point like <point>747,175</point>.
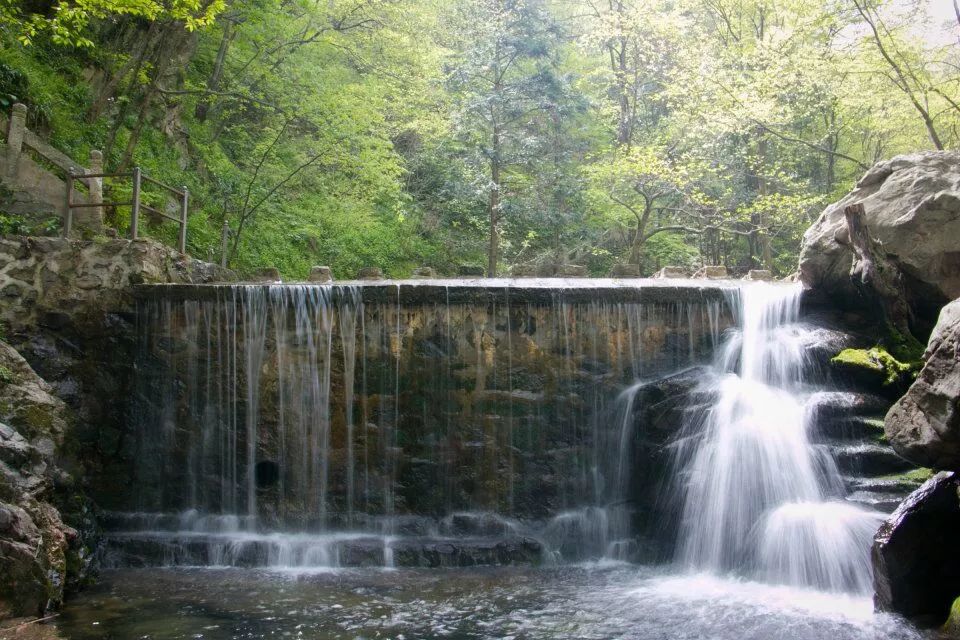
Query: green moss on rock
<point>877,360</point>
<point>914,477</point>
<point>905,348</point>
<point>952,626</point>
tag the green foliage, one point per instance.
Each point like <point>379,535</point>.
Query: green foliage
<point>6,375</point>
<point>67,23</point>
<point>376,132</point>
<point>11,224</point>
<point>905,348</point>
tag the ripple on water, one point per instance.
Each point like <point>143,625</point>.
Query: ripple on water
<point>592,602</point>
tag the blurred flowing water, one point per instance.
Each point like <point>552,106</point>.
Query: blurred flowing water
<point>759,498</point>
<point>302,450</point>
<point>272,419</point>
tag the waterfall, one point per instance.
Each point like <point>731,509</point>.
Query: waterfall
<point>756,491</point>
<point>312,418</point>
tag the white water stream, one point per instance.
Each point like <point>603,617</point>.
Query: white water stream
<point>756,492</point>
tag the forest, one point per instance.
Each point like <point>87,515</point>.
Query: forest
<point>504,134</point>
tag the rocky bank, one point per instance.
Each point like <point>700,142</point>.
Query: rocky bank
<point>66,323</point>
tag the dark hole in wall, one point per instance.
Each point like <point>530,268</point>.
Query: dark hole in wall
<point>267,473</point>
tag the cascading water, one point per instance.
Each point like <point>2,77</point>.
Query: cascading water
<point>759,498</point>
<point>311,425</point>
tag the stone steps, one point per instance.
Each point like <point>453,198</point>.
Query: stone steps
<point>855,427</point>
<point>868,459</point>
<point>879,501</point>
<point>161,549</point>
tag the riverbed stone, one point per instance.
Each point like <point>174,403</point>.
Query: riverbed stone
<point>423,273</point>
<point>712,272</point>
<point>321,274</point>
<point>625,271</point>
<point>761,275</point>
<point>470,271</point>
<point>34,541</point>
<point>370,273</point>
<point>912,207</point>
<point>916,560</point>
<point>924,425</point>
<point>571,271</point>
<point>673,272</point>
<point>267,274</point>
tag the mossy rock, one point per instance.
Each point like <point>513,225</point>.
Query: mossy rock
<point>877,363</point>
<point>6,375</point>
<point>913,478</point>
<point>952,626</point>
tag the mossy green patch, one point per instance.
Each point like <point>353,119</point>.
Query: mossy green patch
<point>952,625</point>
<point>914,476</point>
<point>6,375</point>
<point>38,419</point>
<point>876,359</point>
<point>905,348</point>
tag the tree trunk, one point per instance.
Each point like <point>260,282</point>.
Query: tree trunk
<point>213,82</point>
<point>130,69</point>
<point>494,211</point>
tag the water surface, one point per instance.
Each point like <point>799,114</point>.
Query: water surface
<point>589,602</point>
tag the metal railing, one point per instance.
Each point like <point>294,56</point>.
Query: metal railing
<point>136,203</point>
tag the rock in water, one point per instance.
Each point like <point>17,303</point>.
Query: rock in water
<point>916,561</point>
<point>924,425</point>
<point>912,207</point>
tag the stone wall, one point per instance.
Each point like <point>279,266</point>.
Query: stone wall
<point>33,178</point>
<point>66,315</point>
<point>418,400</point>
<point>55,281</point>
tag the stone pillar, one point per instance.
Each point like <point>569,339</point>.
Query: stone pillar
<point>15,133</point>
<point>92,218</point>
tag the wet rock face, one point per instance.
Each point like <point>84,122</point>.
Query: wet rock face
<point>912,207</point>
<point>67,309</point>
<point>35,544</point>
<point>924,425</point>
<point>503,406</point>
<point>916,559</point>
<point>155,551</point>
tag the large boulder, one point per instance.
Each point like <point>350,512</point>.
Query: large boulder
<point>924,425</point>
<point>912,207</point>
<point>916,561</point>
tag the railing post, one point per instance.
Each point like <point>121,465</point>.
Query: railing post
<point>135,209</point>
<point>182,244</point>
<point>68,208</point>
<point>15,132</point>
<point>95,189</point>
<point>224,240</point>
